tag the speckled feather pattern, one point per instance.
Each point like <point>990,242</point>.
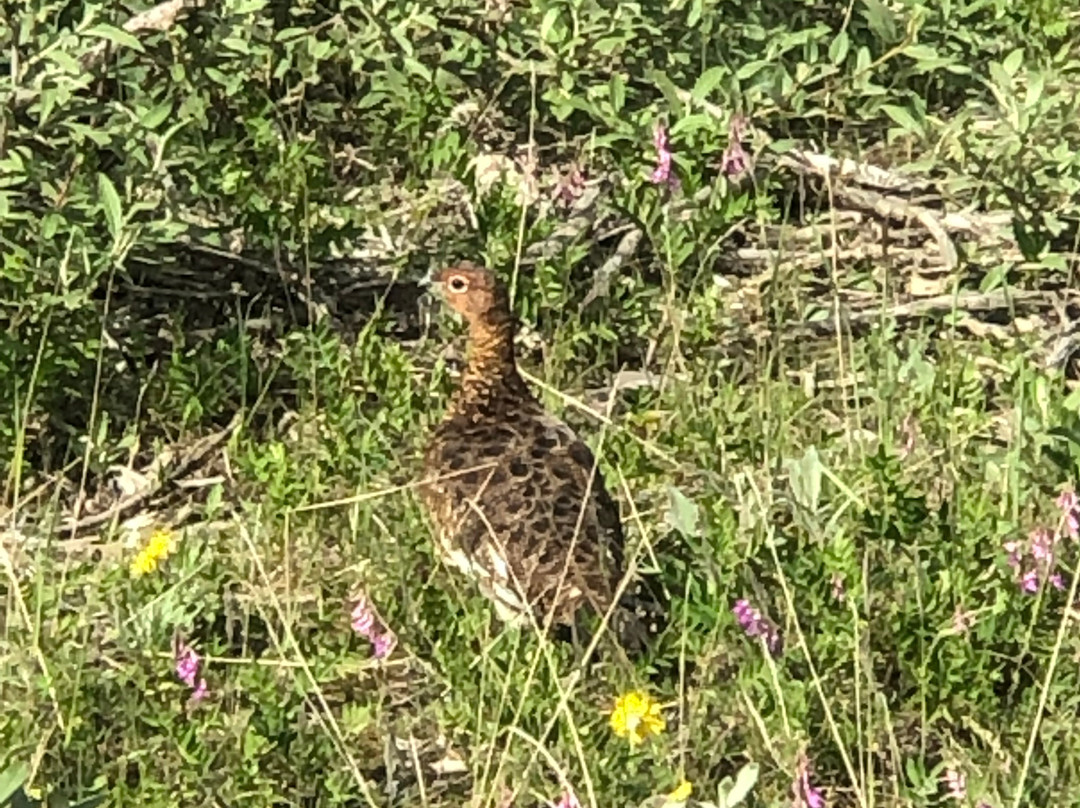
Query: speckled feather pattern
<point>514,494</point>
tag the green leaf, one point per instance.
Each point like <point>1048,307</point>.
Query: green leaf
<point>47,103</point>
<point>751,69</point>
<point>921,53</point>
<point>117,36</point>
<point>154,117</point>
<point>903,118</point>
<point>289,34</point>
<point>110,205</point>
<point>693,123</point>
<point>546,24</point>
<point>1036,83</point>
<point>805,479</point>
<point>1013,61</point>
<point>236,44</point>
<point>65,61</point>
<point>745,780</point>
<point>12,779</point>
<point>881,20</point>
<point>927,59</point>
<point>1001,81</point>
<point>838,49</point>
<point>683,514</point>
<point>994,278</point>
<point>694,16</point>
<point>707,82</point>
<point>617,92</point>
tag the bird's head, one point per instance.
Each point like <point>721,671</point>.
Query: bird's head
<point>474,292</point>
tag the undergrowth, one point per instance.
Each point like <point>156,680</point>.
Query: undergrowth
<point>859,502</point>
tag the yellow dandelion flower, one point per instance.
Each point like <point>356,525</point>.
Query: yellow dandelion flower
<point>157,548</point>
<point>680,795</point>
<point>636,716</point>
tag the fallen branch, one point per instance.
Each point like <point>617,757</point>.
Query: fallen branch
<point>626,248</point>
<point>164,470</point>
<point>964,302</point>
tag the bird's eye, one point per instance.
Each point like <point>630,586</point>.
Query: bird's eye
<point>457,284</point>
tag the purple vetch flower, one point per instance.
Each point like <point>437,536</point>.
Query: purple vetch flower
<point>1013,549</point>
<point>187,664</point>
<point>363,619</point>
<point>1042,545</point>
<point>569,187</point>
<point>1057,581</point>
<point>382,644</point>
<point>955,784</point>
<point>804,794</point>
<point>756,625</point>
<point>365,623</point>
<point>1029,581</point>
<point>662,173</point>
<point>838,591</point>
<point>1070,512</point>
<point>568,800</point>
<point>187,670</point>
<point>1033,560</point>
<point>199,693</point>
<point>735,161</point>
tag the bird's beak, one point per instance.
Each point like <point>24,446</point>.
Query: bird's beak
<point>429,283</point>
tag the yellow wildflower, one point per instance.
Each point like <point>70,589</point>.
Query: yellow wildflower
<point>681,794</point>
<point>636,716</point>
<point>148,559</point>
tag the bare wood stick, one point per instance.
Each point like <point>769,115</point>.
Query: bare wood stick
<point>187,461</point>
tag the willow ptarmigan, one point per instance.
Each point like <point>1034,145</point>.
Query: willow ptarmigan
<point>514,495</point>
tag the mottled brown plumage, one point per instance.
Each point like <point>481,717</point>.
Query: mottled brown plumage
<point>514,495</point>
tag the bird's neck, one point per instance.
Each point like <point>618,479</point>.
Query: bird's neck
<point>490,370</point>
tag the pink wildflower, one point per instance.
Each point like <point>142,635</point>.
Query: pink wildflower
<point>364,623</point>
<point>187,670</point>
<point>363,619</point>
<point>382,644</point>
<point>1040,549</point>
<point>199,693</point>
<point>838,591</point>
<point>1042,543</point>
<point>569,187</point>
<point>187,664</point>
<point>1029,581</point>
<point>735,161</point>
<point>955,784</point>
<point>755,625</point>
<point>662,173</point>
<point>568,800</point>
<point>805,795</point>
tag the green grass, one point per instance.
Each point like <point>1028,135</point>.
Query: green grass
<point>789,489</point>
<point>855,479</point>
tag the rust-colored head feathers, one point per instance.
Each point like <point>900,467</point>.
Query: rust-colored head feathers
<point>481,298</point>
<point>474,292</point>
